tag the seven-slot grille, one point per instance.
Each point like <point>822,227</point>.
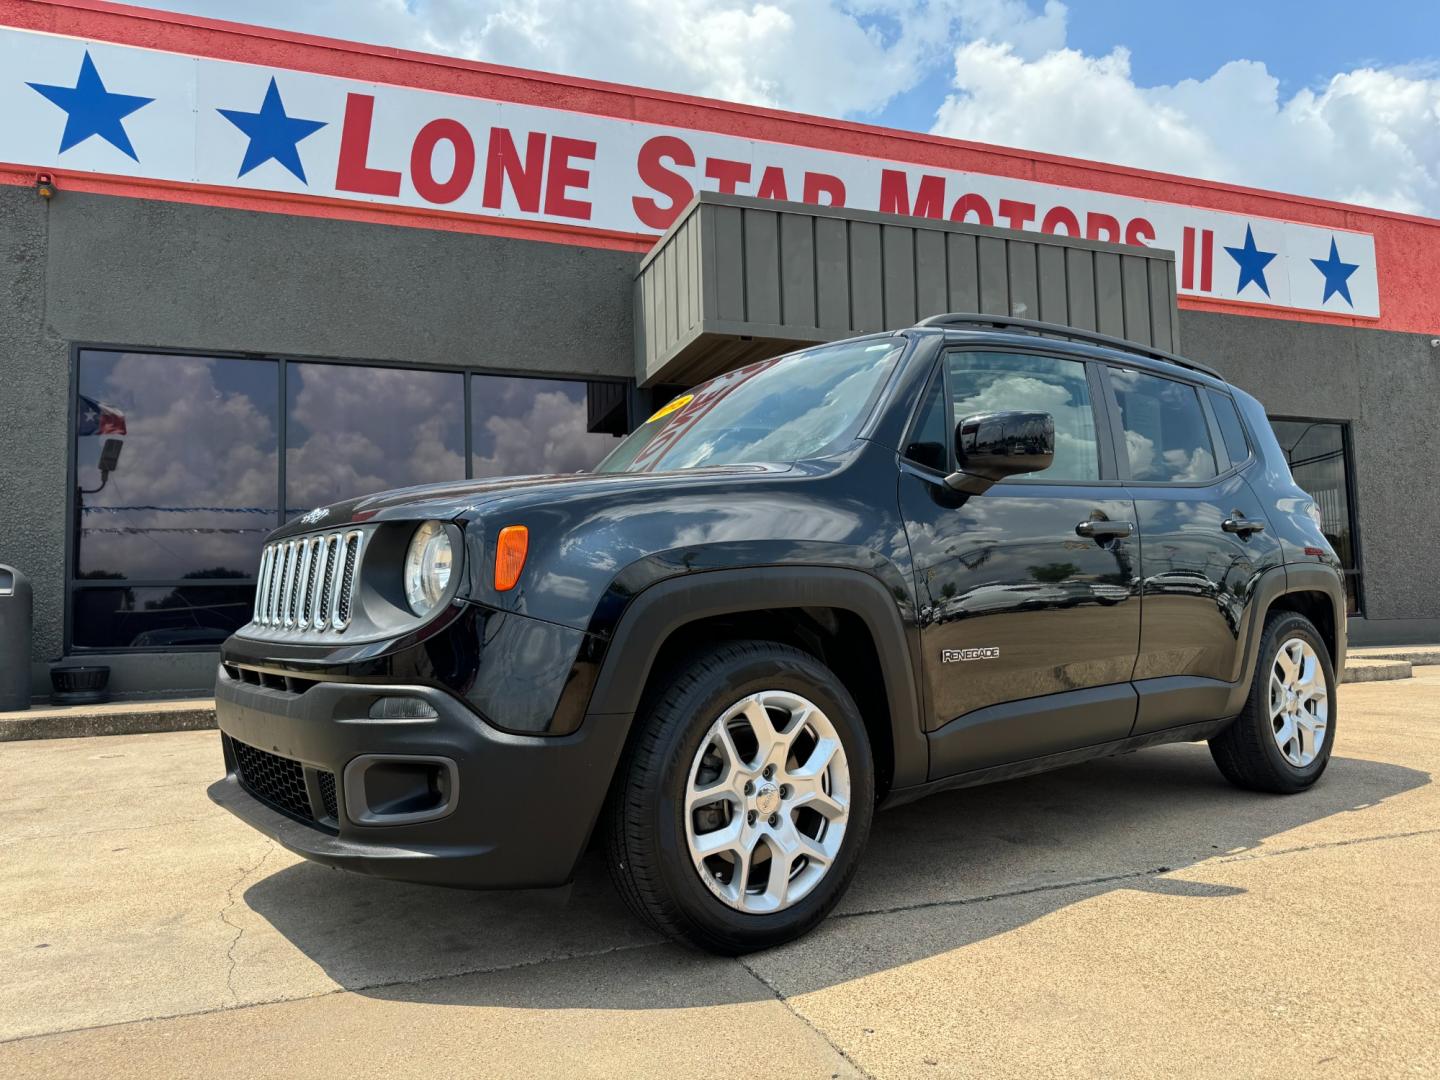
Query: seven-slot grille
<point>308,583</point>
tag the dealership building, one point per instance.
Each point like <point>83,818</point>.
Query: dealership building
<point>246,273</point>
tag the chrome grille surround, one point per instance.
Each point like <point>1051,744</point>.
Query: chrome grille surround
<point>306,584</point>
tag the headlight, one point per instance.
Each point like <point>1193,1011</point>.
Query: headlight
<point>427,567</point>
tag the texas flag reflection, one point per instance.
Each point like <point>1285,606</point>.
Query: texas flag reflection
<point>94,418</point>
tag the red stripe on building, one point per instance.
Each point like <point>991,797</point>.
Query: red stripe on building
<point>1407,247</point>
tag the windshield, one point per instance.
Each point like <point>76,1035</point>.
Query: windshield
<point>779,410</point>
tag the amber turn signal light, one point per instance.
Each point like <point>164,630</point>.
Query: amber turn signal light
<point>510,552</point>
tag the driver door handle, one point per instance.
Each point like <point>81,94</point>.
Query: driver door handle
<point>1242,526</point>
<point>1101,529</point>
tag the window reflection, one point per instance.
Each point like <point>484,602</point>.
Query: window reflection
<point>355,430</point>
<point>1018,382</point>
<point>1166,437</point>
<point>178,470</point>
<point>194,488</point>
<point>522,426</point>
<point>1316,451</point>
<point>160,618</point>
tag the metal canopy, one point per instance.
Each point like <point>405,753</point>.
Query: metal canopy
<point>737,279</point>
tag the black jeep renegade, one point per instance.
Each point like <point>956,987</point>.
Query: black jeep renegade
<point>812,587</point>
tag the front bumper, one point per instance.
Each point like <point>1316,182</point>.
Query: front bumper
<point>519,808</point>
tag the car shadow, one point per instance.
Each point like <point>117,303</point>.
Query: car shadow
<point>1007,854</point>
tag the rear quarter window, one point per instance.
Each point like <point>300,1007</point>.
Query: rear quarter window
<point>1232,431</point>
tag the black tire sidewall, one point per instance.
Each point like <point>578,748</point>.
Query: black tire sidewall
<point>778,669</point>
<point>1279,632</point>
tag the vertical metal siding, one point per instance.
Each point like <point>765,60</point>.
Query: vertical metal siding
<point>1109,299</point>
<point>931,279</point>
<point>1080,295</point>
<point>832,273</point>
<point>898,267</point>
<point>762,267</point>
<point>994,277</point>
<point>738,279</point>
<point>1054,288</point>
<point>1135,298</point>
<point>867,280</point>
<point>1024,281</point>
<point>964,268</point>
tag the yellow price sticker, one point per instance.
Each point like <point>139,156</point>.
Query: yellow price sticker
<point>671,406</point>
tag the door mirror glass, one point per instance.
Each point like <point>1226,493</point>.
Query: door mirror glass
<point>990,447</point>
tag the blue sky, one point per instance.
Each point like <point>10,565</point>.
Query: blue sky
<point>1301,44</point>
<point>1326,98</point>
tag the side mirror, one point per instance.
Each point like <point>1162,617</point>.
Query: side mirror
<point>990,447</point>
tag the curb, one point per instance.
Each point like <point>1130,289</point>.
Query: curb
<point>1374,670</point>
<point>125,718</point>
<point>1418,656</point>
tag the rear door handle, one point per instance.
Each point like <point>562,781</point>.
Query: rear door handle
<point>1099,530</point>
<point>1242,526</point>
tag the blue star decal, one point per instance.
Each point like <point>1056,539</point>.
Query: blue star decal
<point>1252,262</point>
<point>1337,274</point>
<point>90,109</point>
<point>273,135</point>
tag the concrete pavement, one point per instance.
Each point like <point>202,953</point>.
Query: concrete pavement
<point>1128,917</point>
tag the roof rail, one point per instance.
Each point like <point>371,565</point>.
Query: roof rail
<point>963,320</point>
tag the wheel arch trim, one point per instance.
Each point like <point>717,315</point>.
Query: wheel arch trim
<point>1283,581</point>
<point>671,604</point>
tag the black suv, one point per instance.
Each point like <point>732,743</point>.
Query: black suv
<point>821,584</point>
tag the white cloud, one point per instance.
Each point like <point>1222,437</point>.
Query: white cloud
<point>819,56</point>
<point>1368,136</point>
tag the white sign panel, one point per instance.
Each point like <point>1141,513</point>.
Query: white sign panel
<point>119,110</point>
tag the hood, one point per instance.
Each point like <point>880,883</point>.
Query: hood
<point>462,498</point>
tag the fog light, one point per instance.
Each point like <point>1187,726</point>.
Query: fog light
<point>402,708</point>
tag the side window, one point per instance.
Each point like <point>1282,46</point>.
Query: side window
<point>982,382</point>
<point>929,443</point>
<point>1232,431</point>
<point>1166,437</point>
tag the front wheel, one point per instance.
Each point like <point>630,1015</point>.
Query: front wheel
<point>1282,741</point>
<point>745,799</point>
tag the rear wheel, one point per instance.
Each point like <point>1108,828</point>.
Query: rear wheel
<point>1282,741</point>
<point>745,800</point>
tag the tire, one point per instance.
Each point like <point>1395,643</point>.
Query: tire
<point>1249,751</point>
<point>648,835</point>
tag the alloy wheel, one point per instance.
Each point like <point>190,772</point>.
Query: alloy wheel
<point>1299,702</point>
<point>767,801</point>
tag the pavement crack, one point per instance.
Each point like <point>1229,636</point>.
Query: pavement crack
<point>356,988</point>
<point>785,1002</point>
<point>231,899</point>
<point>1128,875</point>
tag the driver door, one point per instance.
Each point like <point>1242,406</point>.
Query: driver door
<point>1029,592</point>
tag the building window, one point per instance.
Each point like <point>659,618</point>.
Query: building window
<point>1320,460</point>
<point>179,462</point>
<point>521,425</point>
<point>354,430</point>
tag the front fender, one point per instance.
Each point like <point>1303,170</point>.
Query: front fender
<point>667,605</point>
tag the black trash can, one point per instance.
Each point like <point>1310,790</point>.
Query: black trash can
<point>16,614</point>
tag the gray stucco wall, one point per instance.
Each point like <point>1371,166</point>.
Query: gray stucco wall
<point>1388,386</point>
<point>119,271</point>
